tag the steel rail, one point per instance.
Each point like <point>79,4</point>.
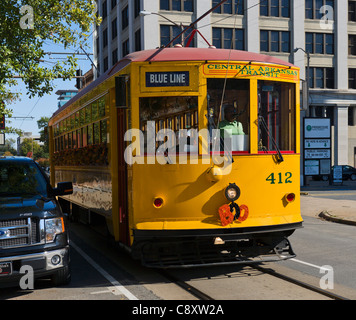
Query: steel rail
<point>299,283</point>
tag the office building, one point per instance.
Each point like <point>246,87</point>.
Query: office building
<point>65,96</point>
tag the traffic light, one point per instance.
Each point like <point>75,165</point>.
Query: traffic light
<point>2,122</point>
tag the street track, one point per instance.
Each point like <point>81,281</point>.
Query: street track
<point>184,285</point>
<point>299,283</point>
<point>192,284</point>
<point>265,270</point>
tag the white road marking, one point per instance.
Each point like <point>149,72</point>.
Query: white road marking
<point>108,290</point>
<point>118,286</point>
<point>323,268</point>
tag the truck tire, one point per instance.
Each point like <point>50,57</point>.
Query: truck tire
<point>61,277</point>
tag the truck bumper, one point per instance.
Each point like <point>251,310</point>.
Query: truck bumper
<point>43,264</point>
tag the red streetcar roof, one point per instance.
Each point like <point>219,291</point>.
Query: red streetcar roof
<point>178,54</point>
<point>202,54</point>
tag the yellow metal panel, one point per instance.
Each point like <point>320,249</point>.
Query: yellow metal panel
<point>192,201</point>
<point>114,164</point>
<point>253,117</point>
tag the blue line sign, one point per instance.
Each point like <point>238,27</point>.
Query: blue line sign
<point>167,79</point>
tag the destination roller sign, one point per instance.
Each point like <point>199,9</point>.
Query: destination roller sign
<point>167,79</point>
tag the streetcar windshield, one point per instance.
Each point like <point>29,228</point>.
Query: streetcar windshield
<point>276,116</point>
<point>229,109</point>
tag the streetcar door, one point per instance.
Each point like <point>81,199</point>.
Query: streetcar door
<point>121,90</point>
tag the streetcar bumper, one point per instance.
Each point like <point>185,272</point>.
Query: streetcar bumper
<point>192,248</point>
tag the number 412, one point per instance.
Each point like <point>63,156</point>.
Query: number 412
<point>279,178</point>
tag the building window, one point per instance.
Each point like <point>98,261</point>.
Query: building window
<point>138,40</point>
<point>114,56</point>
<point>114,29</point>
<point>168,33</point>
<point>106,64</point>
<point>352,45</point>
<point>229,7</point>
<point>98,70</point>
<point>312,8</point>
<point>275,8</point>
<point>223,38</point>
<point>105,38</point>
<point>125,48</point>
<point>352,78</point>
<point>125,18</point>
<point>177,5</point>
<point>322,43</point>
<point>137,8</point>
<point>352,11</point>
<point>104,10</point>
<point>113,4</point>
<point>274,41</point>
<point>321,78</point>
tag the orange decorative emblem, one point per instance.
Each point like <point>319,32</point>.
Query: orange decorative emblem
<point>244,209</point>
<point>227,213</point>
<point>226,216</point>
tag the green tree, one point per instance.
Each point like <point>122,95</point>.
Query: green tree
<point>25,26</point>
<point>43,126</point>
<point>28,146</point>
<point>8,148</point>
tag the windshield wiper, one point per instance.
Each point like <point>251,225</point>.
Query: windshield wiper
<point>222,146</point>
<point>264,124</point>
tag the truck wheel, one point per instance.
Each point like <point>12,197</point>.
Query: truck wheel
<point>61,277</point>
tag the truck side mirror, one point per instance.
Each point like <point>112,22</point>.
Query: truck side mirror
<point>63,188</point>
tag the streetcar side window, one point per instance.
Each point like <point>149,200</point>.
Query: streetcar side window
<point>170,114</point>
<point>229,108</point>
<point>276,111</point>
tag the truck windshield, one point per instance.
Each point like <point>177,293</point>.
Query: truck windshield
<point>21,179</point>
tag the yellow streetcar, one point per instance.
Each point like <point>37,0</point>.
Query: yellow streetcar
<point>191,155</point>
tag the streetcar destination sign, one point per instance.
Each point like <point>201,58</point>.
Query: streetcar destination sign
<point>167,79</point>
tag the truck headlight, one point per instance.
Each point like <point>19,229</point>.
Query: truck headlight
<point>53,227</point>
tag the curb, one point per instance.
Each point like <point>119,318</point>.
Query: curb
<point>325,215</point>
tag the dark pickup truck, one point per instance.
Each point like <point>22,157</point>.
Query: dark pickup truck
<point>33,231</point>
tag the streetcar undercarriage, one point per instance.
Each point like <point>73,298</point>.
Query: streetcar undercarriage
<point>191,248</point>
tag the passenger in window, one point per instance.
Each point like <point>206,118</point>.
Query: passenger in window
<point>230,122</point>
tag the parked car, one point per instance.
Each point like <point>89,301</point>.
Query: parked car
<point>348,172</point>
<point>33,230</point>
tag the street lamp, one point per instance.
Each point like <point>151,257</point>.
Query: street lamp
<point>308,74</point>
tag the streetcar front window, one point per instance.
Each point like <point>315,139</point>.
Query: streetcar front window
<point>276,111</point>
<point>229,109</point>
<point>164,116</point>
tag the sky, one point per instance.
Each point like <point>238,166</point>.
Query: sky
<point>46,105</point>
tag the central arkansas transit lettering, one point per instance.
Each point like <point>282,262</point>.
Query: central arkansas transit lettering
<point>249,70</point>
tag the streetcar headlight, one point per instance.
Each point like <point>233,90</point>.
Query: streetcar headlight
<point>232,192</point>
<point>53,227</point>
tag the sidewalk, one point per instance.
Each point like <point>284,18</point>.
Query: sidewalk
<point>340,211</point>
